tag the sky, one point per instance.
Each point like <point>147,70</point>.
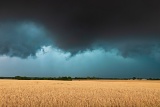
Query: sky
<point>80,38</point>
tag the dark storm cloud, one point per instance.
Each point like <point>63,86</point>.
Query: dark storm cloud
<point>21,39</point>
<point>131,48</point>
<point>132,26</point>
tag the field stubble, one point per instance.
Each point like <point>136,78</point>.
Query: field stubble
<point>43,93</point>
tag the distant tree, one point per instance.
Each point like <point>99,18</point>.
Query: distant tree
<point>17,77</point>
<point>134,78</point>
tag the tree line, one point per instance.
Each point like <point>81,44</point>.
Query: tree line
<point>38,78</point>
<point>68,78</point>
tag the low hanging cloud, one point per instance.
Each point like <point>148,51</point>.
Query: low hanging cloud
<point>132,26</point>
<point>21,39</point>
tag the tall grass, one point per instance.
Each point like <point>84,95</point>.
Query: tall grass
<point>39,93</point>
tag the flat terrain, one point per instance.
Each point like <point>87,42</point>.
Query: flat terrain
<point>98,93</point>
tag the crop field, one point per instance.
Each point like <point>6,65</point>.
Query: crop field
<point>95,93</point>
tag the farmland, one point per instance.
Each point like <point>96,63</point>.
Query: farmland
<point>84,93</point>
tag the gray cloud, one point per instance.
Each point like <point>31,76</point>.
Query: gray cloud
<point>106,38</point>
<point>132,26</point>
<point>21,39</point>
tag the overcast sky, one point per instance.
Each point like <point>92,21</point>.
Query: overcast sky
<point>80,38</point>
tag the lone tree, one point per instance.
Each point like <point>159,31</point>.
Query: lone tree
<point>134,78</point>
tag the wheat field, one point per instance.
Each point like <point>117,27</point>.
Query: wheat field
<point>98,93</point>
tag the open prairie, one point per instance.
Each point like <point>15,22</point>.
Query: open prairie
<point>97,93</point>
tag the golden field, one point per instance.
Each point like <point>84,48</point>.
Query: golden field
<point>98,93</point>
